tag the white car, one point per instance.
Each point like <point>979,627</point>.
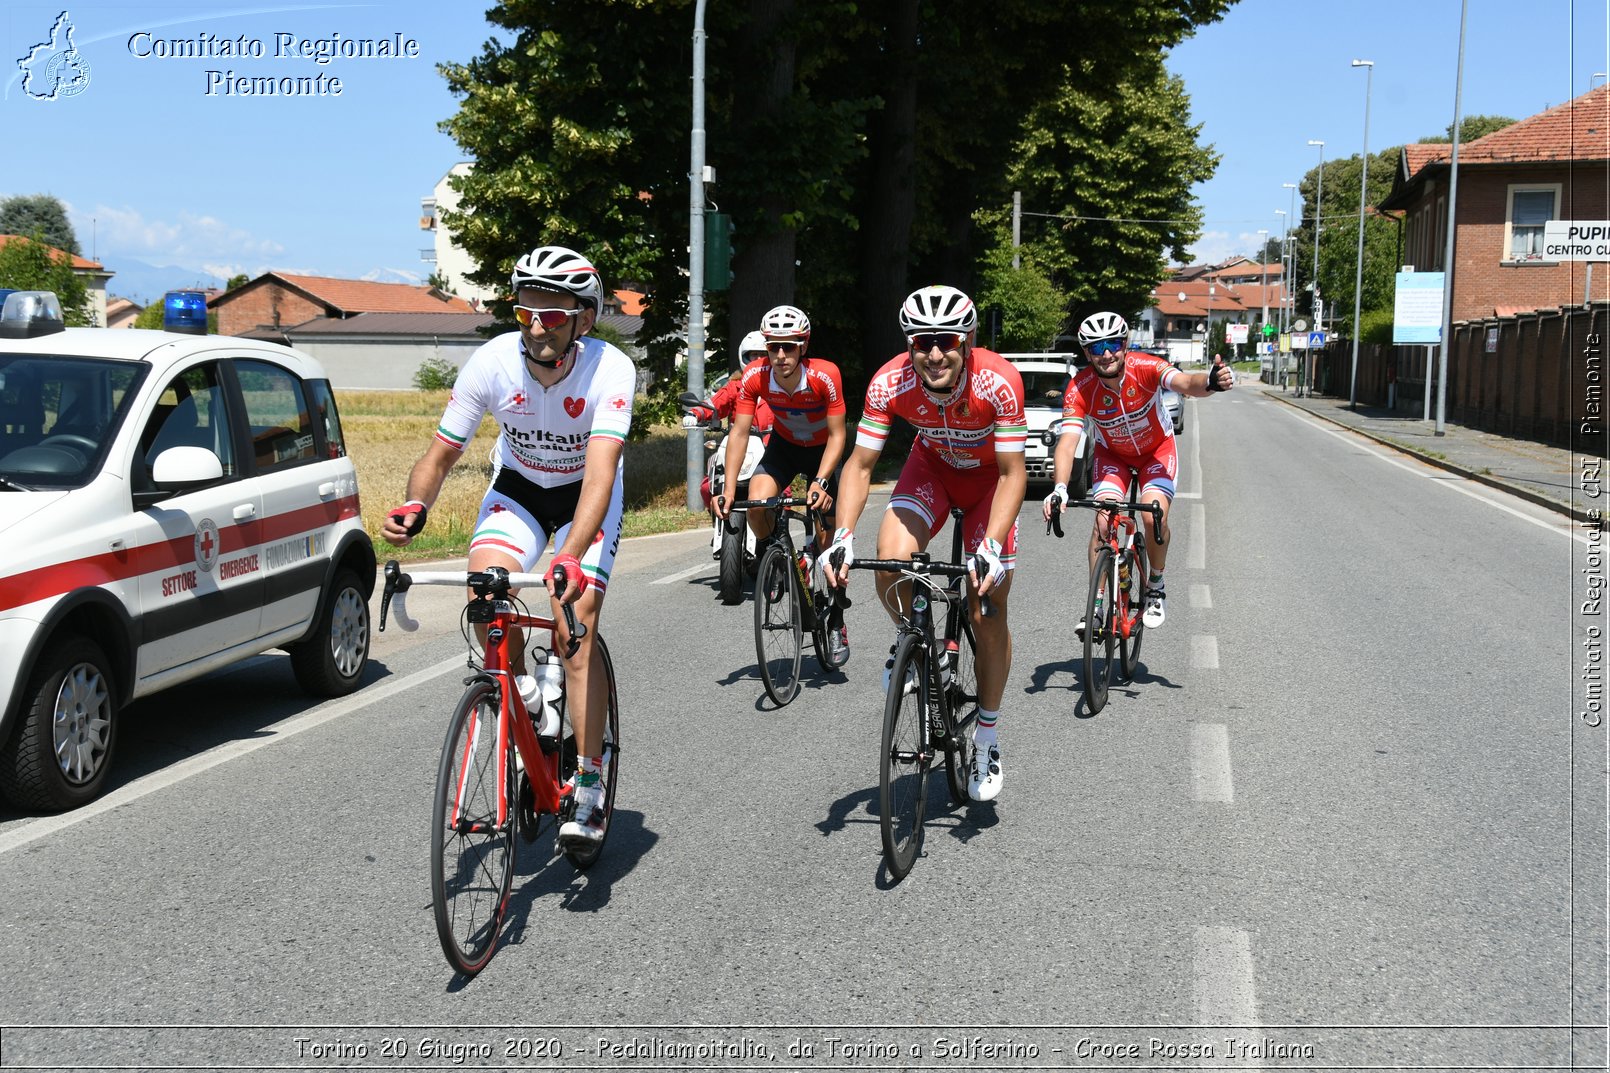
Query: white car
<point>169,504</point>
<point>1045,381</point>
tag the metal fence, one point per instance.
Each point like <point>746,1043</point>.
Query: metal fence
<point>1538,376</point>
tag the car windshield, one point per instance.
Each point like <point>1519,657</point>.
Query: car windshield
<point>58,414</point>
<point>1043,390</point>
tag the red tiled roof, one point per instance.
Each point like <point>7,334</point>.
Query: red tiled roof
<point>81,264</point>
<point>1579,129</point>
<point>367,296</point>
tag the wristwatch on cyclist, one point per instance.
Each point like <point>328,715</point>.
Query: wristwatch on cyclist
<point>821,482</point>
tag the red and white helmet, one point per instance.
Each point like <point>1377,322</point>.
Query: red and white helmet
<point>786,322</point>
<point>555,268</point>
<point>938,309</point>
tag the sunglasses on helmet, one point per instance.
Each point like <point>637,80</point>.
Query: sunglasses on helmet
<point>550,319</point>
<point>945,341</point>
<point>1103,347</point>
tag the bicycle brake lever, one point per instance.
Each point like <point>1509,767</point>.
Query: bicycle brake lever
<point>985,607</point>
<point>577,630</point>
<point>1157,525</point>
<point>1054,524</point>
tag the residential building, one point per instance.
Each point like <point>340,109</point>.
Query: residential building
<point>93,273</point>
<point>275,301</point>
<point>120,313</point>
<point>447,259</point>
<point>1550,166</point>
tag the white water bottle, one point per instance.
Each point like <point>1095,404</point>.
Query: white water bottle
<point>550,677</point>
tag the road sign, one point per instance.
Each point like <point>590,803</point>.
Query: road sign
<point>1237,333</point>
<point>1417,308</point>
<point>1316,340</point>
<point>1576,240</point>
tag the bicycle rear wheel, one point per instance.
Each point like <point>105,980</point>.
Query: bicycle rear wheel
<point>962,693</point>
<point>778,629</point>
<point>1134,604</point>
<point>472,854</point>
<point>903,763</point>
<point>1099,635</point>
<point>583,857</point>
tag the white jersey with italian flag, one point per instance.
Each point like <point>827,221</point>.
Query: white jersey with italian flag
<point>544,431</point>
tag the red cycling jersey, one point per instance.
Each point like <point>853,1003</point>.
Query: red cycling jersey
<point>800,415</point>
<point>725,401</point>
<point>967,430</point>
<point>1130,418</point>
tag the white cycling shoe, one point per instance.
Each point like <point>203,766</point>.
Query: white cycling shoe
<point>1156,609</point>
<point>984,778</point>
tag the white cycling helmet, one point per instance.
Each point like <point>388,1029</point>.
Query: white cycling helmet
<point>938,308</point>
<point>1099,326</point>
<point>786,322</point>
<point>554,268</point>
<point>752,343</point>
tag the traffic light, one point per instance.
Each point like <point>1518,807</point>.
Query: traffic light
<point>717,252</point>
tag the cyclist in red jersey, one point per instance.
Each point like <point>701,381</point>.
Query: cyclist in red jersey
<point>1122,392</point>
<point>806,398</point>
<point>966,404</point>
<point>724,402</point>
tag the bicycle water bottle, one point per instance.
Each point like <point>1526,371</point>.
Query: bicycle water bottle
<point>947,665</point>
<point>550,677</point>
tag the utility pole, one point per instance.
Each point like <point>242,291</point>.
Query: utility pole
<point>696,262</point>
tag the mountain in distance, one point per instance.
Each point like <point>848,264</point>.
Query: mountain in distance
<point>393,275</point>
<point>146,283</point>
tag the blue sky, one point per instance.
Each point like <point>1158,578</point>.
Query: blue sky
<point>156,168</point>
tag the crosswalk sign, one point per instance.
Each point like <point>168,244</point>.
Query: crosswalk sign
<point>1316,340</point>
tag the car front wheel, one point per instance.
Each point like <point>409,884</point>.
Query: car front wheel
<point>58,756</point>
<point>331,661</point>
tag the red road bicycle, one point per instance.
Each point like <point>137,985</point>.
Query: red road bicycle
<point>482,793</point>
<point>1118,584</point>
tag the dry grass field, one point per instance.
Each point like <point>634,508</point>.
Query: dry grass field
<point>387,431</point>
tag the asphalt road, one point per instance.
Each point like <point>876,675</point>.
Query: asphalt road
<point>1329,826</point>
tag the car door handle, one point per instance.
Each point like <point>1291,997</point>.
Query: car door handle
<point>245,512</point>
<point>327,490</point>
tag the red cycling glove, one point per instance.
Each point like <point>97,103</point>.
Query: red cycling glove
<point>414,507</point>
<point>568,568</point>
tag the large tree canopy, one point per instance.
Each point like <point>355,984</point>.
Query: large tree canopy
<point>29,265</point>
<point>38,214</point>
<point>854,145</point>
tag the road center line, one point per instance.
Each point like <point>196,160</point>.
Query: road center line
<point>1196,550</point>
<point>1210,763</point>
<point>1201,596</point>
<point>1205,652</point>
<point>195,765</point>
<point>1225,993</point>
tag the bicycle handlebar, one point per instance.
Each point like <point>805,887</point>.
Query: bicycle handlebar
<point>1116,505</point>
<point>495,582</point>
<point>921,566</point>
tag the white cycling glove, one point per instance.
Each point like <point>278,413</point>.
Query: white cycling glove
<point>1061,491</point>
<point>843,540</point>
<point>990,552</point>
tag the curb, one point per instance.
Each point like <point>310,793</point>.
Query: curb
<point>1518,491</point>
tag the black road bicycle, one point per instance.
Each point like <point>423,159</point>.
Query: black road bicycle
<point>932,701</point>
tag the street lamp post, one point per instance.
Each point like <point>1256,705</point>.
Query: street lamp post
<point>695,446</point>
<point>1285,288</point>
<point>1263,282</point>
<point>1358,271</point>
<point>1182,299</point>
<point>1207,329</point>
<point>1307,374</point>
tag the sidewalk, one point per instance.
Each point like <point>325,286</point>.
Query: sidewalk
<point>1537,472</point>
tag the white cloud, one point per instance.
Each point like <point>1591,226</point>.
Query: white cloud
<point>186,239</point>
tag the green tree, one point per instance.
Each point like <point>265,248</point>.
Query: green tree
<point>40,215</point>
<point>1113,171</point>
<point>1338,245</point>
<point>30,265</point>
<point>1470,128</point>
<point>853,143</point>
<point>1023,309</point>
<point>238,280</point>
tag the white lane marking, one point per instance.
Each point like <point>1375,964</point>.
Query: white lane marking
<point>701,568</point>
<point>1225,992</point>
<point>1210,763</point>
<point>1196,454</point>
<point>1201,596</point>
<point>1187,495</point>
<point>1205,652</point>
<point>1196,550</point>
<point>175,773</point>
<point>1341,434</point>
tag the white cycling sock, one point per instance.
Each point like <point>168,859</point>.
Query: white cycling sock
<point>984,729</point>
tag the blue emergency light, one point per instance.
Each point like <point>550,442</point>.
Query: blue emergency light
<point>185,311</point>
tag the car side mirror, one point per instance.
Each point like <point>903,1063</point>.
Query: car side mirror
<point>184,469</point>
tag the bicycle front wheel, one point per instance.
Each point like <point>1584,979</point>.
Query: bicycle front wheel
<point>1134,606</point>
<point>962,690</point>
<point>906,754</point>
<point>778,627</point>
<point>472,853</point>
<point>1099,630</point>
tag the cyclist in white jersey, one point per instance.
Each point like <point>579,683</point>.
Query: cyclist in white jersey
<point>563,403</point>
